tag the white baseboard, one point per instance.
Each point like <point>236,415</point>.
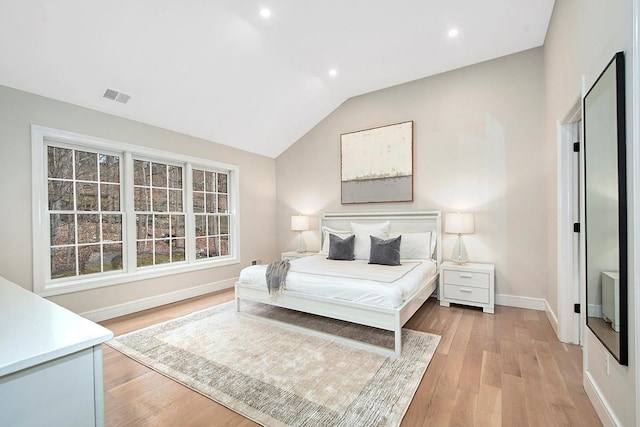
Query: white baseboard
<point>553,319</point>
<point>594,310</point>
<point>521,302</point>
<point>607,417</point>
<point>156,301</point>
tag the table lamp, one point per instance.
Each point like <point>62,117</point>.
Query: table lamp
<point>459,223</point>
<point>300,223</point>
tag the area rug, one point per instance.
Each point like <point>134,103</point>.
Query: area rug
<point>279,377</point>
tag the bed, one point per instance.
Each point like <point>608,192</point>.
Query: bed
<point>393,293</point>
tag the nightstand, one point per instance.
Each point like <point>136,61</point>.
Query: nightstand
<point>293,255</point>
<point>469,284</point>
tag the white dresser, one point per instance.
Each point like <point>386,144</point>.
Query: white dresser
<point>470,284</point>
<point>611,298</point>
<point>50,363</point>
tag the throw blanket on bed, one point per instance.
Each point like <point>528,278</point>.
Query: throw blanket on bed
<point>276,275</point>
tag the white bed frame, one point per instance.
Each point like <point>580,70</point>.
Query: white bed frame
<point>391,319</point>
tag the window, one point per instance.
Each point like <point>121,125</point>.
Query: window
<point>210,198</point>
<point>160,218</point>
<point>109,213</point>
<point>85,222</point>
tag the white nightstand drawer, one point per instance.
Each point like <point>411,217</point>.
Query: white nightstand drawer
<point>466,293</point>
<point>466,278</point>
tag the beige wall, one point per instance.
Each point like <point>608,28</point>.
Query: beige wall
<point>582,38</point>
<point>18,110</point>
<point>477,146</point>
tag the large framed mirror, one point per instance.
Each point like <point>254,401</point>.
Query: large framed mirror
<point>605,176</point>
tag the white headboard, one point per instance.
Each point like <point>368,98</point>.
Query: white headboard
<point>401,222</point>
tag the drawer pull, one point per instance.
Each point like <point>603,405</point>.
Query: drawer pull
<point>466,276</point>
<point>466,290</point>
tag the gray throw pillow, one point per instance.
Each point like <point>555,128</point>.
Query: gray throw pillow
<point>385,252</point>
<point>341,249</point>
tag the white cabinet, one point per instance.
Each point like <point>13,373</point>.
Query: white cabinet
<point>50,363</point>
<point>469,284</point>
<point>611,298</point>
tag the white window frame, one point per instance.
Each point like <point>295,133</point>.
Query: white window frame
<point>132,218</point>
<point>42,282</point>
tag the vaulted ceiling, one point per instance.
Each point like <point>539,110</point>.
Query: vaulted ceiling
<point>220,70</point>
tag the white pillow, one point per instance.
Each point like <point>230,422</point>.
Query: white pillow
<point>363,232</point>
<point>325,238</point>
<point>416,245</point>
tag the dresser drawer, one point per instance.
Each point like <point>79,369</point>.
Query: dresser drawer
<point>466,293</point>
<point>466,278</point>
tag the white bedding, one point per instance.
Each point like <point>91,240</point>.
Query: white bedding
<point>355,281</point>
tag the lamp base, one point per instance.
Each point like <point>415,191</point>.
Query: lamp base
<point>301,247</point>
<point>459,255</point>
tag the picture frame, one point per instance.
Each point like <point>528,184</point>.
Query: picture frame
<point>377,164</point>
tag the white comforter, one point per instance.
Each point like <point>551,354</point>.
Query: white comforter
<point>356,281</point>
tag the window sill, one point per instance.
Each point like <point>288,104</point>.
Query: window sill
<point>119,278</point>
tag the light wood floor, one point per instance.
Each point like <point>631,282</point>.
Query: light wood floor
<point>607,335</point>
<point>489,370</point>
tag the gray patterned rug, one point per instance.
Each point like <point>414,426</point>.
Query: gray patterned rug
<point>279,377</point>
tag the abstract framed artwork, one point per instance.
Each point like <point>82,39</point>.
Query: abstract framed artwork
<point>377,164</point>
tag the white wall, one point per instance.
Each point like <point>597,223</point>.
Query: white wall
<point>582,38</point>
<point>477,146</point>
<point>18,110</point>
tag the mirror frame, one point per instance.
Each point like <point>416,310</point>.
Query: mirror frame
<point>618,61</point>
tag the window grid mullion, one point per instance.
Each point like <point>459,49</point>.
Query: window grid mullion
<point>153,239</point>
<point>190,219</point>
<point>99,203</point>
<point>130,213</point>
<point>75,211</point>
<point>98,182</point>
<point>101,241</point>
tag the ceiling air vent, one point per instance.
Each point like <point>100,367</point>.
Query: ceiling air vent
<point>114,95</point>
<point>123,97</point>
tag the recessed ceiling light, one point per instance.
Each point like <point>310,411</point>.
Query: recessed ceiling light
<point>265,13</point>
<point>453,32</point>
<point>333,72</point>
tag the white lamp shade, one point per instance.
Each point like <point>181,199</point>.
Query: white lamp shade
<point>299,223</point>
<point>459,223</point>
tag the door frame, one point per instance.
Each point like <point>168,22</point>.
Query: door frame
<point>568,285</point>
